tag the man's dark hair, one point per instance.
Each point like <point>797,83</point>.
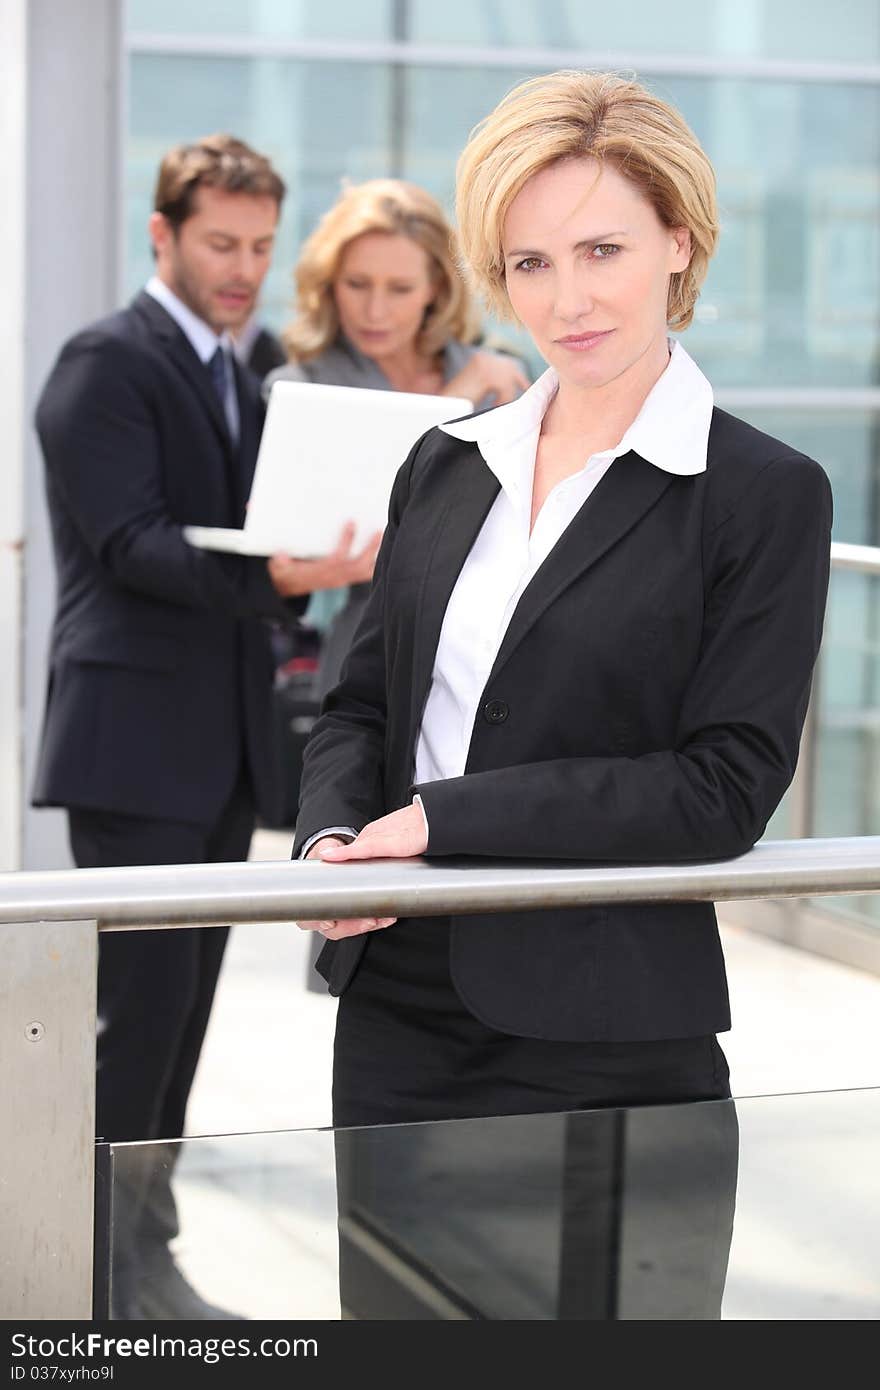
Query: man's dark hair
<point>217,161</point>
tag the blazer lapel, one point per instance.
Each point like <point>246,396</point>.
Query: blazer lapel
<point>629,489</point>
<point>473,488</point>
<point>175,341</point>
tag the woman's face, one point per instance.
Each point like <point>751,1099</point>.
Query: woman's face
<point>587,264</point>
<point>382,289</point>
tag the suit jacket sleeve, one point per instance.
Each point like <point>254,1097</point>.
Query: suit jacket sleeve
<point>342,778</point>
<point>712,793</point>
<point>101,443</point>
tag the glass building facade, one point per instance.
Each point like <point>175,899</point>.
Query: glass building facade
<point>786,100</point>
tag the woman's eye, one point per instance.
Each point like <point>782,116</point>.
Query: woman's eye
<point>605,251</point>
<point>530,263</point>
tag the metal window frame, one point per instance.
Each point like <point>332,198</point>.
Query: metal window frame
<point>416,54</point>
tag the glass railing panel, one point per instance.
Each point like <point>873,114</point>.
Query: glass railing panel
<point>670,1212</point>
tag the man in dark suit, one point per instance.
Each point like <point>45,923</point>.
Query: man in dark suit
<point>158,717</point>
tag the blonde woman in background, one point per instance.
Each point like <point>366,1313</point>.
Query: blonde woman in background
<point>380,304</point>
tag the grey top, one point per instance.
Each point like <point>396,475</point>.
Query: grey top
<point>342,364</point>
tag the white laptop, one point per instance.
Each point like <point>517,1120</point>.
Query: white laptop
<point>329,454</point>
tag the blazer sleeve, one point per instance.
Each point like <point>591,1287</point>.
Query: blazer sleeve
<point>342,782</point>
<point>736,746</point>
<point>102,450</point>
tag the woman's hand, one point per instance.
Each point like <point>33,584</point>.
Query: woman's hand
<point>292,577</point>
<point>401,835</point>
<point>356,926</point>
<point>488,374</point>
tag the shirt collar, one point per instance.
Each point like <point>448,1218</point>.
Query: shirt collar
<point>202,338</point>
<point>670,431</point>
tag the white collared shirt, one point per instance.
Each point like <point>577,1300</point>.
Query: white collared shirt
<point>203,340</point>
<point>670,431</point>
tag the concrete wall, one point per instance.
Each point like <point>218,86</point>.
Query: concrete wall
<point>72,71</point>
<point>13,121</point>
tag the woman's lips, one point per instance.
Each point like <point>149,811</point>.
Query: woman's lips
<point>582,342</point>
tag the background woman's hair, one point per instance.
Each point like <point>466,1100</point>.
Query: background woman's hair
<point>569,115</point>
<point>381,205</point>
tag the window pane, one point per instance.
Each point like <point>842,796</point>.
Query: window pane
<point>318,123</point>
<point>847,778</point>
<point>847,444</point>
<point>849,30</point>
<point>793,295</point>
<point>846,783</point>
<point>277,19</point>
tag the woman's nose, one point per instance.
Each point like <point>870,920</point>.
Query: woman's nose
<point>572,298</point>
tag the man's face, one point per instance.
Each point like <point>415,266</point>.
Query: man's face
<point>217,259</point>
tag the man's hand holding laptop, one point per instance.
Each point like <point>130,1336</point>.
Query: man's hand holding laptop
<point>341,567</point>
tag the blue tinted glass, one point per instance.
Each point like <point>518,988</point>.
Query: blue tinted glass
<point>847,444</point>
<point>319,123</point>
<point>782,29</point>
<point>846,778</point>
<point>278,19</point>
<point>793,294</point>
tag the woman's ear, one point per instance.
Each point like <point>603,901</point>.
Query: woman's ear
<point>682,248</point>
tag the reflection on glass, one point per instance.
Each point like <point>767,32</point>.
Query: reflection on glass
<point>793,295</point>
<point>319,123</point>
<point>846,779</point>
<point>597,1215</point>
<point>723,28</point>
<point>847,794</point>
<point>849,31</point>
<point>267,19</point>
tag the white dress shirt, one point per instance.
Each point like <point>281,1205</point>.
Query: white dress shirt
<point>204,342</point>
<point>670,431</point>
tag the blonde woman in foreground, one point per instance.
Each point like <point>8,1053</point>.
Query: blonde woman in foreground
<point>590,637</point>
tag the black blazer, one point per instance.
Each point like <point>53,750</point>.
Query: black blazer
<point>645,706</point>
<point>160,670</point>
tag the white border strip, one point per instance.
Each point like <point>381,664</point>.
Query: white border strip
<point>464,56</point>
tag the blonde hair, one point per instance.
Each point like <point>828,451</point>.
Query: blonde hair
<point>566,115</point>
<point>381,205</point>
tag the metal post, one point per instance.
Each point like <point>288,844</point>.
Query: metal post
<point>47,1101</point>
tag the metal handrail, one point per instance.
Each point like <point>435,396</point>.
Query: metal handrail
<point>271,891</point>
<point>865,558</point>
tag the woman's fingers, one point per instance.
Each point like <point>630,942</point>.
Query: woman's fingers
<point>355,926</point>
<point>358,926</point>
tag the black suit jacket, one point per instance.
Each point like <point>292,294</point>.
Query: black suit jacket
<point>645,705</point>
<point>160,671</point>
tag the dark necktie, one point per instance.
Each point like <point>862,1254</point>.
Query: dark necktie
<point>218,366</point>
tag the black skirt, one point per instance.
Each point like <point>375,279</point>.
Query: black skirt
<point>408,1050</point>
